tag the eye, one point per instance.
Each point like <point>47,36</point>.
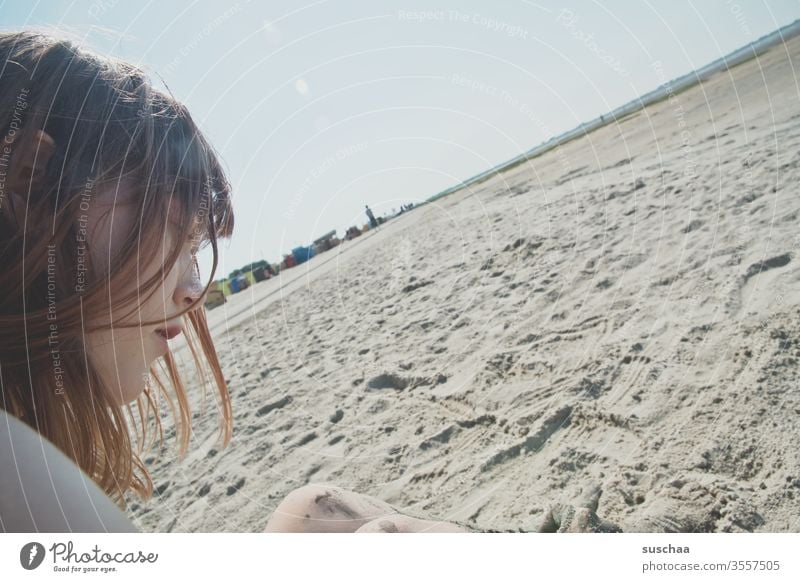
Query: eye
<point>193,242</point>
<point>194,246</point>
<point>197,239</point>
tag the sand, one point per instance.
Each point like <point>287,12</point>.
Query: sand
<point>623,311</point>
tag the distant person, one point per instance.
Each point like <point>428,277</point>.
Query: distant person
<point>372,222</point>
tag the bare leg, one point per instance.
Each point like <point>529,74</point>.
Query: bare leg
<point>327,509</point>
<point>330,509</point>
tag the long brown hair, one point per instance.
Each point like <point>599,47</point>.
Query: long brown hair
<point>109,126</point>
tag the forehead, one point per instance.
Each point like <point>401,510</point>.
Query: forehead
<point>119,210</point>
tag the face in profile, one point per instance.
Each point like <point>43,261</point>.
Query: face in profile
<point>131,340</point>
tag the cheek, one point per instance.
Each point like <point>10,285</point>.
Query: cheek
<point>160,304</point>
<point>109,226</point>
<point>121,360</point>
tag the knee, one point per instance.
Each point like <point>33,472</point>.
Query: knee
<point>297,508</point>
<point>304,498</point>
<point>318,508</point>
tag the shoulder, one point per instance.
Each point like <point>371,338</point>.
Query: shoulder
<point>42,490</point>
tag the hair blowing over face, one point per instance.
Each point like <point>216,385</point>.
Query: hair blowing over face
<point>110,127</point>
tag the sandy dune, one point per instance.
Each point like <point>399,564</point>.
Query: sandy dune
<point>623,311</point>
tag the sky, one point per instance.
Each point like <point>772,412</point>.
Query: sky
<point>318,108</point>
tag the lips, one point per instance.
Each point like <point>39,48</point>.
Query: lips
<point>170,332</point>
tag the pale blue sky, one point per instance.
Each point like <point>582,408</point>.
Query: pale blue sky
<point>320,108</point>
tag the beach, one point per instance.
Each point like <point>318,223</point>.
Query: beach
<point>622,311</point>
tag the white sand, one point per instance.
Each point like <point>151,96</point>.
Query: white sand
<point>599,315</point>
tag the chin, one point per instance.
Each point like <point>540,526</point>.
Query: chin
<point>129,385</point>
<point>122,368</point>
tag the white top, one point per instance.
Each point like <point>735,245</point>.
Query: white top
<point>42,490</point>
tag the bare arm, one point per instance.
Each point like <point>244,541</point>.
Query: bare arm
<point>41,490</point>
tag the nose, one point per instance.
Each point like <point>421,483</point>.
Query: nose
<point>189,288</point>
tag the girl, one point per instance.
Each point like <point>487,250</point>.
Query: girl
<point>107,191</point>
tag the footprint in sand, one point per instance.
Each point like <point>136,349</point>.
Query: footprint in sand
<point>235,487</point>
